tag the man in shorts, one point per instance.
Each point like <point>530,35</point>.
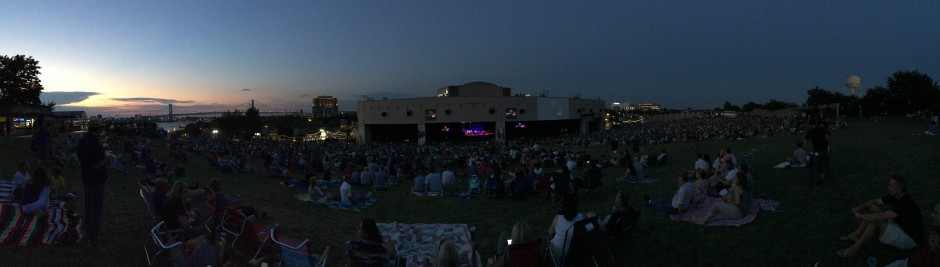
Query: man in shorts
<point>901,226</point>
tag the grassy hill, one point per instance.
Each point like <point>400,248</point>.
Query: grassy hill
<point>805,231</point>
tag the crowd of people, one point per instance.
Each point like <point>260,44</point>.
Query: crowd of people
<point>516,168</point>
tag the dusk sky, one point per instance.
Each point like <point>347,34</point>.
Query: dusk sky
<point>134,57</point>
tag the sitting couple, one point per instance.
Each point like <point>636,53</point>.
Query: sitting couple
<point>346,195</point>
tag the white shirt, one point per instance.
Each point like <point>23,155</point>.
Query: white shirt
<point>701,164</point>
<point>571,164</point>
<point>448,178</point>
<point>683,196</point>
<point>433,182</point>
<point>345,192</point>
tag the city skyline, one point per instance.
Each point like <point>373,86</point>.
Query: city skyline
<point>126,58</point>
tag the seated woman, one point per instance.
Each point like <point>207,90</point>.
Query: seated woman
<point>735,205</point>
<point>36,192</point>
<point>369,248</point>
<point>566,217</point>
<point>521,233</point>
<point>223,201</point>
<point>317,195</point>
<point>176,211</point>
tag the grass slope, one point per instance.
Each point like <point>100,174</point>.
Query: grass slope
<point>803,232</point>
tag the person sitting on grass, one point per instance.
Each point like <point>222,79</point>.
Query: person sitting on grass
<point>927,255</point>
<point>419,188</point>
<point>799,156</point>
<point>58,183</point>
<point>36,192</point>
<point>20,178</point>
<point>900,227</point>
<point>346,195</point>
<point>381,180</point>
<point>681,201</point>
<point>316,194</point>
<point>735,203</point>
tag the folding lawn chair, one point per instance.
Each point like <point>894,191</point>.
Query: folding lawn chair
<point>236,223</point>
<point>524,254</point>
<point>154,220</point>
<point>175,249</point>
<point>249,232</point>
<point>297,253</point>
<point>585,242</point>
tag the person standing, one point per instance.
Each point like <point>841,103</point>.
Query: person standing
<point>819,158</point>
<point>91,156</point>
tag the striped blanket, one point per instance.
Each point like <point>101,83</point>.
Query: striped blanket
<point>54,226</point>
<point>6,192</point>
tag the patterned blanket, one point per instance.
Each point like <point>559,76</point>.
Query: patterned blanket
<point>6,192</point>
<point>364,202</point>
<point>700,210</point>
<point>55,226</point>
<point>415,242</point>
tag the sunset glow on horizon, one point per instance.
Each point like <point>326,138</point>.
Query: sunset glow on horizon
<point>121,58</point>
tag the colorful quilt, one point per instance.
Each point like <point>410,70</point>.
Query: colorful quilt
<point>364,202</point>
<point>700,210</point>
<point>416,242</point>
<point>55,226</point>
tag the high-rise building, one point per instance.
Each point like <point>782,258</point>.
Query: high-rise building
<point>325,106</point>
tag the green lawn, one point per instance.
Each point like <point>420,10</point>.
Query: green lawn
<point>805,231</point>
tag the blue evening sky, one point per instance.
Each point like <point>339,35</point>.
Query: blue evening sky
<point>134,57</point>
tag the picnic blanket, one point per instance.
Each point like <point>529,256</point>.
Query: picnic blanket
<point>6,192</point>
<point>700,210</point>
<point>55,226</point>
<point>415,242</point>
<point>364,202</point>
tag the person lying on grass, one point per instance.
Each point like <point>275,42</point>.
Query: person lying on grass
<point>901,226</point>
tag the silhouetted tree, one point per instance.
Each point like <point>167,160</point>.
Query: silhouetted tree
<point>873,102</point>
<point>774,104</point>
<point>252,122</point>
<point>911,91</point>
<point>19,80</point>
<point>729,106</point>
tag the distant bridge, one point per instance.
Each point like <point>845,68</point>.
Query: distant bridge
<point>263,110</point>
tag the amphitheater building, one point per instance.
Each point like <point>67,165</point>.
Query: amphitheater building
<point>476,111</point>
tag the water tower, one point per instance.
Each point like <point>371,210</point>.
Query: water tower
<point>853,82</point>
